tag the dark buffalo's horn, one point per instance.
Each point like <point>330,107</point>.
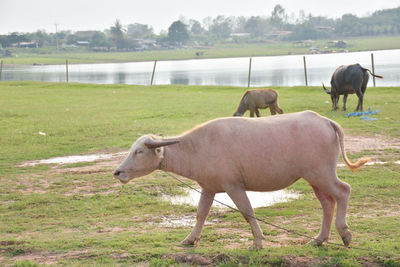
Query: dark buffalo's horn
<point>150,143</point>
<point>326,90</point>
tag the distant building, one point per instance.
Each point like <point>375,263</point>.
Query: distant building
<point>85,35</point>
<point>325,28</point>
<point>26,45</point>
<point>304,43</point>
<point>314,49</point>
<point>240,34</point>
<point>340,44</point>
<point>278,34</point>
<point>82,43</point>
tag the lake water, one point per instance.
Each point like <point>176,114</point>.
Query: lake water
<point>266,71</point>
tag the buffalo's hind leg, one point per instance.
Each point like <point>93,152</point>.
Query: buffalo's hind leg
<point>206,200</point>
<point>360,101</point>
<point>340,191</point>
<point>328,208</point>
<point>239,197</point>
<point>335,100</point>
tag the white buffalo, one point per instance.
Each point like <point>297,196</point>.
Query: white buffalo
<point>236,154</point>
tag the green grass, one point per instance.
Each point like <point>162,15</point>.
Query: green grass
<point>50,56</point>
<point>50,215</point>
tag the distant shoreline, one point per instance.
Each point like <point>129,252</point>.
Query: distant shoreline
<point>24,56</point>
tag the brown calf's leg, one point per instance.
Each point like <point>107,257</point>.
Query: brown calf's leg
<point>272,109</point>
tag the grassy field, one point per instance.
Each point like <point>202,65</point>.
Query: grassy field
<point>78,214</point>
<point>47,56</point>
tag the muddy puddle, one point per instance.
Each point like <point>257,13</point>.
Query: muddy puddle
<point>191,197</point>
<point>369,163</point>
<point>183,221</point>
<point>257,199</point>
<point>74,159</point>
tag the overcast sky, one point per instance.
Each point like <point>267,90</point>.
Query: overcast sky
<point>31,15</point>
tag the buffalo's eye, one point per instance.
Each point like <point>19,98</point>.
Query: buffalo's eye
<point>138,152</point>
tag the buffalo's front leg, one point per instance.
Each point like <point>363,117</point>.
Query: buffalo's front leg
<point>203,209</point>
<point>344,102</point>
<point>360,100</point>
<point>239,197</point>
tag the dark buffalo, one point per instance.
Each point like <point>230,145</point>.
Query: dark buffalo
<point>349,79</point>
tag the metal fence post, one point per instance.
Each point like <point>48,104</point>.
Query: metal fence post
<point>154,70</point>
<point>1,68</point>
<point>305,70</point>
<point>373,67</point>
<point>66,71</point>
<point>248,80</point>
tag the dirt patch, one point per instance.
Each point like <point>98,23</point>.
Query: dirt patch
<point>294,261</point>
<point>86,189</point>
<point>355,144</point>
<point>383,211</point>
<point>98,167</point>
<point>192,259</point>
<point>47,258</point>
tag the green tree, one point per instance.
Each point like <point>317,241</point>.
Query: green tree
<point>178,32</point>
<point>278,16</point>
<point>221,27</point>
<point>195,27</point>
<point>99,39</point>
<point>117,34</point>
<point>138,30</point>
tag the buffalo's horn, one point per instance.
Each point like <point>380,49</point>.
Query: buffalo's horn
<point>150,143</point>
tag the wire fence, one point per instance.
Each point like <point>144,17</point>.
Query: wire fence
<point>261,71</point>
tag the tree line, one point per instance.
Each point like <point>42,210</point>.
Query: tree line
<point>276,26</point>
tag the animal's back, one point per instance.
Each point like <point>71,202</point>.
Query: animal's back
<point>349,74</point>
<point>278,149</point>
<point>262,97</point>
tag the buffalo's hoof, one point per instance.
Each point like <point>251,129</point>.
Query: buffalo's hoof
<point>347,239</point>
<point>256,246</point>
<point>190,243</point>
<point>315,242</point>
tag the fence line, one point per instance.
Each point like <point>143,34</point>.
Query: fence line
<point>373,67</point>
<point>248,77</point>
<point>1,68</point>
<point>154,70</point>
<point>66,71</point>
<point>305,69</point>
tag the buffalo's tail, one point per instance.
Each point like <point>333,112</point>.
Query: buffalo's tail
<point>349,164</point>
<point>326,90</point>
<point>375,75</point>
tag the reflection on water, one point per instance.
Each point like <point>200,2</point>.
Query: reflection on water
<point>257,199</point>
<point>266,71</point>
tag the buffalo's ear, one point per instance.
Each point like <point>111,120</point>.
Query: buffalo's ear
<point>151,143</point>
